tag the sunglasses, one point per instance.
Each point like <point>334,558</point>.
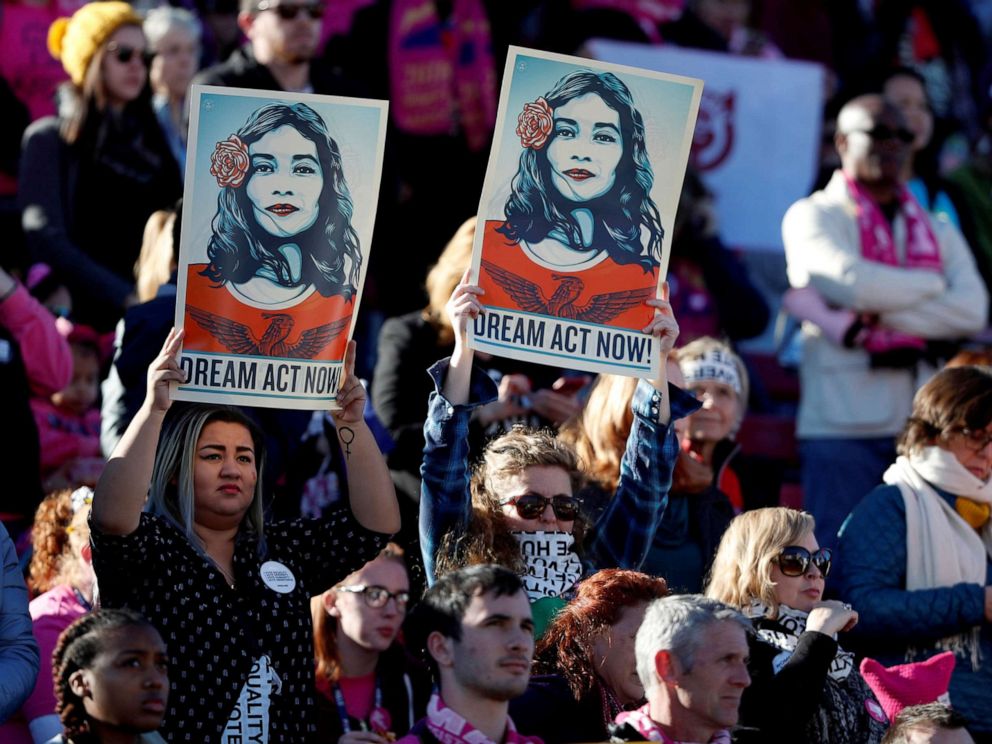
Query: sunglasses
<point>976,441</point>
<point>124,53</point>
<point>882,133</point>
<point>794,560</point>
<point>377,596</point>
<point>532,506</point>
<point>289,12</point>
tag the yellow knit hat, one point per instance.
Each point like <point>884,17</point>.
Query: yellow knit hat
<point>75,40</point>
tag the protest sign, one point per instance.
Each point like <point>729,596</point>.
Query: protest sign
<point>280,200</point>
<point>757,140</point>
<point>577,210</point>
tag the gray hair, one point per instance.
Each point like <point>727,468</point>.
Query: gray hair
<point>165,18</point>
<point>171,494</point>
<point>676,624</point>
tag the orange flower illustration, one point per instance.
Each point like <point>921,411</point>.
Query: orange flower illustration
<point>229,162</point>
<point>534,124</point>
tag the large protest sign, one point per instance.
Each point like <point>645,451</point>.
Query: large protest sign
<point>576,215</point>
<point>757,140</point>
<point>280,199</point>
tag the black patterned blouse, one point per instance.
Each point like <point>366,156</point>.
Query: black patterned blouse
<point>216,634</point>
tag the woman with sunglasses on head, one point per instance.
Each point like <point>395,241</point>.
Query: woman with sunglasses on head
<point>804,686</point>
<point>916,550</point>
<point>369,689</point>
<point>519,507</point>
<point>90,178</point>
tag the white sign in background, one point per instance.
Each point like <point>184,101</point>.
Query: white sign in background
<point>759,121</point>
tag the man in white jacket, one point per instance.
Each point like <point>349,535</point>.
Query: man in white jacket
<point>876,280</point>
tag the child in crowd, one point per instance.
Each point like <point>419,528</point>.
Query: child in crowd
<point>111,679</point>
<point>69,421</point>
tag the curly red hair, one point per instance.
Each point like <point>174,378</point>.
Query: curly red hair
<point>566,646</point>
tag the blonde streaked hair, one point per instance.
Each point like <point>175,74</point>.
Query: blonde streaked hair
<point>742,569</point>
<point>157,258</point>
<point>599,433</point>
<point>488,538</point>
<point>444,277</point>
<point>171,494</point>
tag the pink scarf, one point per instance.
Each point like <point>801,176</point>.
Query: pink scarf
<point>641,720</point>
<point>878,244</point>
<point>450,728</point>
<point>442,74</point>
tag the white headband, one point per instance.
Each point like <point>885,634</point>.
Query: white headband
<point>714,364</point>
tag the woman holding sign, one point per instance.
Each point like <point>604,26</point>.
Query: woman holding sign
<point>580,202</point>
<point>229,593</point>
<point>519,507</point>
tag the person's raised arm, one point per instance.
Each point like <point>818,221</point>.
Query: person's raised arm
<point>123,487</point>
<point>625,530</point>
<point>373,496</point>
<point>462,308</point>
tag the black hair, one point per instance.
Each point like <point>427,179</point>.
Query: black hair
<point>443,606</point>
<point>76,649</point>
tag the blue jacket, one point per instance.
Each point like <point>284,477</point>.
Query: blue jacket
<point>871,576</point>
<point>18,649</point>
<point>622,533</point>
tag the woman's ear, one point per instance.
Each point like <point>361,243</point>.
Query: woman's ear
<point>330,602</point>
<point>78,684</point>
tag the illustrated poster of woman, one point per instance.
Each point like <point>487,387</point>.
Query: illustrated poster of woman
<point>580,195</point>
<point>276,273</point>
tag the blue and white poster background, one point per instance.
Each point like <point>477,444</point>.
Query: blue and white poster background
<point>280,379</point>
<point>668,105</point>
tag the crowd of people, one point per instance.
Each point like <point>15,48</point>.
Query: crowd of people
<point>468,548</point>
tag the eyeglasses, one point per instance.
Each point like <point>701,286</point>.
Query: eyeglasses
<point>377,596</point>
<point>125,53</point>
<point>883,133</point>
<point>976,441</point>
<point>289,11</point>
<point>532,506</point>
<point>794,560</point>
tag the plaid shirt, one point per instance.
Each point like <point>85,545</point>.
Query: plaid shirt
<point>623,531</point>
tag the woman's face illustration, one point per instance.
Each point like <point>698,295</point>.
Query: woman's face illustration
<point>585,148</point>
<point>285,183</point>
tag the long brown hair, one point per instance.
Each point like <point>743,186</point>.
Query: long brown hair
<point>566,646</point>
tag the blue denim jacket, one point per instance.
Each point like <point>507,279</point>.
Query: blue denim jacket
<point>623,531</point>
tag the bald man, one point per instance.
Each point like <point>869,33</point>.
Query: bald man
<point>902,280</point>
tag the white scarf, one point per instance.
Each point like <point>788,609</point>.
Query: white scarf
<point>553,567</point>
<point>941,548</point>
<point>793,624</point>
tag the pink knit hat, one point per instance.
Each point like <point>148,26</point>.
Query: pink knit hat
<point>898,687</point>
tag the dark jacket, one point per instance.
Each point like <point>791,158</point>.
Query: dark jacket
<point>242,70</point>
<point>801,703</point>
<point>405,686</point>
<point>871,575</point>
<point>548,709</point>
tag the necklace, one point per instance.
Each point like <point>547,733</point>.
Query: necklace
<point>229,578</point>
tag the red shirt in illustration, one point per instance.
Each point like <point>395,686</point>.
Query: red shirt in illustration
<point>216,321</point>
<point>605,294</point>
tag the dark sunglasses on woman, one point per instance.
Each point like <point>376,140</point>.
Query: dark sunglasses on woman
<point>124,53</point>
<point>289,11</point>
<point>532,506</point>
<point>794,560</point>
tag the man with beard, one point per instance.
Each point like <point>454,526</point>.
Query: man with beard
<point>894,286</point>
<point>476,630</point>
<point>282,42</point>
